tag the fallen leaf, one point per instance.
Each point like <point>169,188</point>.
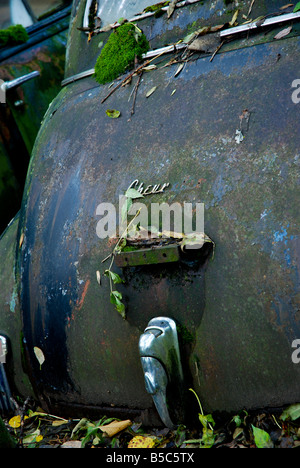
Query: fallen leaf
<point>262,438</point>
<point>297,8</point>
<point>172,7</point>
<point>15,422</point>
<point>21,240</point>
<point>292,412</point>
<point>59,423</point>
<point>39,355</point>
<point>234,18</point>
<point>71,444</point>
<point>283,33</point>
<point>287,6</point>
<point>113,113</point>
<point>190,37</point>
<point>173,92</point>
<point>150,68</point>
<point>179,69</point>
<point>98,275</point>
<point>142,442</point>
<point>33,437</point>
<point>114,427</point>
<point>217,28</point>
<point>239,136</point>
<point>149,93</point>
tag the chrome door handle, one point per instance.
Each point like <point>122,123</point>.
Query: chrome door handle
<point>6,85</point>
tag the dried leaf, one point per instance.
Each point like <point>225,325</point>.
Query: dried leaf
<point>217,28</point>
<point>114,427</point>
<point>58,423</point>
<point>98,275</point>
<point>234,18</point>
<point>106,28</point>
<point>179,69</point>
<point>172,7</point>
<point>283,33</point>
<point>287,6</point>
<point>113,113</point>
<point>150,68</point>
<point>142,442</point>
<point>149,93</point>
<point>39,355</point>
<point>71,444</point>
<point>21,240</point>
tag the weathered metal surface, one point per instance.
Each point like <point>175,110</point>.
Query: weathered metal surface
<point>240,309</point>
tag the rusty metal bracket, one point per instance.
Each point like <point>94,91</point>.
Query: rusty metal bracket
<point>150,256</point>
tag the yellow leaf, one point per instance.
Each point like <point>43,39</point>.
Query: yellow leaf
<point>15,422</point>
<point>39,438</point>
<point>59,423</point>
<point>115,427</point>
<point>113,113</point>
<point>142,442</point>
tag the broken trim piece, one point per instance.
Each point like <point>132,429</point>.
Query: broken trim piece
<point>255,25</point>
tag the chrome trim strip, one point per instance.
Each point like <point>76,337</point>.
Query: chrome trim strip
<point>174,47</point>
<point>268,22</point>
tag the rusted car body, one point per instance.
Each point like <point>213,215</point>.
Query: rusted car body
<point>227,137</point>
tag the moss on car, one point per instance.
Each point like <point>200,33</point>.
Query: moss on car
<point>13,35</point>
<point>124,45</point>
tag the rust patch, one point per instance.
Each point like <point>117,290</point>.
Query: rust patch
<point>83,296</point>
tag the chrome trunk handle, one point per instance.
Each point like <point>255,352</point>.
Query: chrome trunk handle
<point>160,358</point>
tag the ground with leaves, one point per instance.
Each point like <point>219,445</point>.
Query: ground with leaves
<point>268,429</point>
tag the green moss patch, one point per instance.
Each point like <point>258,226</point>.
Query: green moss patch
<point>13,35</point>
<point>118,54</point>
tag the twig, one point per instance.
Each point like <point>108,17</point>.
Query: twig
<point>135,92</point>
<point>216,51</point>
<point>23,410</point>
<point>125,79</point>
<point>250,9</point>
<point>132,73</point>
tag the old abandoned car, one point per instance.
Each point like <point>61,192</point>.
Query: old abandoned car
<point>215,122</point>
